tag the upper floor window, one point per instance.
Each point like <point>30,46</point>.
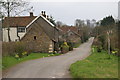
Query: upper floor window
<point>21,29</point>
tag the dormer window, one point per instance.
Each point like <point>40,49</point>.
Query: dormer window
<point>21,29</point>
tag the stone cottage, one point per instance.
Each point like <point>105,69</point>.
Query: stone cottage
<point>70,34</point>
<point>42,34</point>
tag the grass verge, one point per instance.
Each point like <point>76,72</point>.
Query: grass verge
<point>10,61</point>
<point>97,65</point>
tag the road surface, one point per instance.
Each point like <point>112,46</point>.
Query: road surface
<point>50,67</point>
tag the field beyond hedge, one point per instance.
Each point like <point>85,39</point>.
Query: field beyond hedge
<point>97,65</point>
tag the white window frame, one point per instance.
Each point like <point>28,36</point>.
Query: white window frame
<point>21,29</point>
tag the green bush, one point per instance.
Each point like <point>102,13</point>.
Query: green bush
<point>99,48</point>
<point>64,47</point>
<point>19,49</point>
<point>13,48</point>
<point>102,39</point>
<point>70,46</point>
<point>8,48</point>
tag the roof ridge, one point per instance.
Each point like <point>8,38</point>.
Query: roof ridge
<point>20,16</point>
<point>37,18</point>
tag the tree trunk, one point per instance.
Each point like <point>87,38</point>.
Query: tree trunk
<point>108,43</point>
<point>9,39</point>
<point>9,34</point>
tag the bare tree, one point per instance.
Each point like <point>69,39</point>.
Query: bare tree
<point>52,20</point>
<point>13,8</point>
<point>88,22</point>
<point>79,23</point>
<point>59,24</point>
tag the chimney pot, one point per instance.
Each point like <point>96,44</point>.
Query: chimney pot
<point>47,17</point>
<point>31,14</point>
<point>42,12</point>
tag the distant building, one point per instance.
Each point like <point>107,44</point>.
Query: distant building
<point>70,34</point>
<point>79,23</point>
<point>119,10</point>
<point>88,22</point>
<point>93,23</point>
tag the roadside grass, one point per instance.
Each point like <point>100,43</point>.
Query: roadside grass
<point>97,65</point>
<point>9,61</point>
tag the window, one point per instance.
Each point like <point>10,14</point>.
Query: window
<point>35,37</point>
<point>21,29</point>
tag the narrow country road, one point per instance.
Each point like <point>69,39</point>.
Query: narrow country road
<point>50,67</point>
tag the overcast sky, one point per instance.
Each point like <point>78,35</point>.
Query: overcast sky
<point>67,12</point>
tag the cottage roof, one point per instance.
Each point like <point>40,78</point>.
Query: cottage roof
<point>65,29</point>
<point>73,32</point>
<point>18,21</point>
<point>46,25</point>
<point>37,18</point>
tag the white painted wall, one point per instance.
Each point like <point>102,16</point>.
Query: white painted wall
<point>13,34</point>
<point>21,34</point>
<point>5,37</point>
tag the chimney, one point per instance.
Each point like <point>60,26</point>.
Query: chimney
<point>47,17</point>
<point>31,14</point>
<point>42,13</point>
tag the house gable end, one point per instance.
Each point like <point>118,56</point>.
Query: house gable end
<point>36,37</point>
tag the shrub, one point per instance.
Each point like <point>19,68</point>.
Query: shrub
<point>8,48</point>
<point>25,54</point>
<point>70,46</point>
<point>99,48</point>
<point>19,48</point>
<point>115,52</point>
<point>16,56</point>
<point>102,39</point>
<point>64,47</point>
<point>13,48</point>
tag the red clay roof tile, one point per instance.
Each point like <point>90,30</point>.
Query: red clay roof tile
<point>18,21</point>
<point>67,28</point>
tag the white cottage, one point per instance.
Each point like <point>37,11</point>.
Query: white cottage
<point>17,27</point>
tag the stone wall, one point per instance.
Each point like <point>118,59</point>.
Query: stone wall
<point>70,37</point>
